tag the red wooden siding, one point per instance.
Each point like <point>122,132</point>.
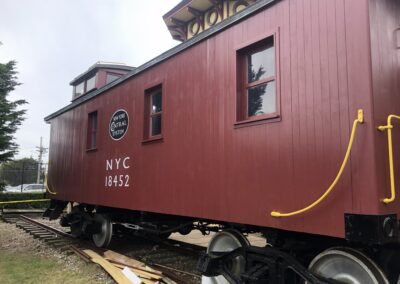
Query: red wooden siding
<point>207,167</point>
<point>385,20</point>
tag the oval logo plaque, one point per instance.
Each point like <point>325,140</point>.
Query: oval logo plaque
<point>119,124</point>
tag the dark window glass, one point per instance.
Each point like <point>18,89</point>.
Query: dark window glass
<point>92,130</point>
<point>111,78</point>
<point>261,99</point>
<point>257,96</point>
<point>153,113</point>
<point>156,125</point>
<point>156,102</point>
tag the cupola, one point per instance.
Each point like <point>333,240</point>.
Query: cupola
<point>97,76</point>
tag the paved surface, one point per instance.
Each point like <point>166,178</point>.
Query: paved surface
<point>196,238</point>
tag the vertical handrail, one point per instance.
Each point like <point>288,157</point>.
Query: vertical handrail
<point>47,187</point>
<point>358,120</point>
<point>389,127</point>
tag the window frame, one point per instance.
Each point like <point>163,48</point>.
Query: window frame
<point>148,114</point>
<point>242,85</point>
<point>76,95</point>
<point>85,86</point>
<point>86,83</point>
<point>90,130</point>
<point>112,74</point>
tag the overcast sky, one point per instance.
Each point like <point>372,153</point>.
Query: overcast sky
<point>53,41</point>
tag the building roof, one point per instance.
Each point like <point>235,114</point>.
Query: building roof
<point>100,65</point>
<point>256,7</point>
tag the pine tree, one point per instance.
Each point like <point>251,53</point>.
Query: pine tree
<point>11,116</point>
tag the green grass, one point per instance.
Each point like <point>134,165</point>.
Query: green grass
<point>30,268</point>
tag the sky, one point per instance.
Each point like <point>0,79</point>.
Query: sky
<point>53,41</point>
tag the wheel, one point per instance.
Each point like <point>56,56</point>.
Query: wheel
<point>226,241</point>
<point>103,238</point>
<point>76,227</point>
<point>76,230</point>
<point>347,265</point>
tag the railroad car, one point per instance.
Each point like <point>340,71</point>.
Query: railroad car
<point>272,116</point>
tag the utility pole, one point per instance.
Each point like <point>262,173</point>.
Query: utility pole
<point>41,150</point>
<point>22,175</point>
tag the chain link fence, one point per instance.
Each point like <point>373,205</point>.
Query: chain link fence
<point>26,175</point>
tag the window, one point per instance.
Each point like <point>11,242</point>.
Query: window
<point>257,94</point>
<point>111,78</point>
<point>153,113</point>
<point>92,131</point>
<point>91,83</point>
<point>79,89</point>
<point>84,87</point>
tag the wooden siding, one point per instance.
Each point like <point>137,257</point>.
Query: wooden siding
<point>205,166</point>
<point>385,54</point>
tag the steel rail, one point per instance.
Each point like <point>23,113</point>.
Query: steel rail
<point>46,227</point>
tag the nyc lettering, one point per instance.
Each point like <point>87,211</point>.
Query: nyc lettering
<point>117,180</point>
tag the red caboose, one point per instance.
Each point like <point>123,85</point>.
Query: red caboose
<point>266,107</point>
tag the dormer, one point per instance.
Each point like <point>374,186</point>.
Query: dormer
<point>97,76</point>
<point>191,17</point>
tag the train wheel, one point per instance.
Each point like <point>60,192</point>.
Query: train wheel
<point>103,238</point>
<point>76,230</point>
<point>347,265</point>
<point>76,227</point>
<point>226,241</point>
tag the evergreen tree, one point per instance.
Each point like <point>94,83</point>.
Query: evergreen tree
<point>255,102</point>
<point>10,116</point>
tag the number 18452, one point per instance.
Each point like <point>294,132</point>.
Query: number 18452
<point>117,181</point>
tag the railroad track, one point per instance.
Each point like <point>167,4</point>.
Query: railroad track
<point>52,236</point>
<point>177,260</point>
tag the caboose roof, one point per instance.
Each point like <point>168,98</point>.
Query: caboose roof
<point>100,65</point>
<point>257,6</point>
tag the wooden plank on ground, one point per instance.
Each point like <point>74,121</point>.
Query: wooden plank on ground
<point>120,258</point>
<point>138,267</point>
<point>114,272</point>
<point>131,276</point>
<point>140,271</point>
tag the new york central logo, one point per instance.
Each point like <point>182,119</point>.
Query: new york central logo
<point>119,124</point>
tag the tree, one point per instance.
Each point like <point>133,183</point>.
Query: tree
<point>10,116</point>
<point>19,171</point>
<point>255,94</point>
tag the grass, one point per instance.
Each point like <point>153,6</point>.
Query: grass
<point>29,268</point>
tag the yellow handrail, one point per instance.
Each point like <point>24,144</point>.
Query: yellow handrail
<point>46,186</point>
<point>23,201</point>
<point>389,127</point>
<point>359,120</point>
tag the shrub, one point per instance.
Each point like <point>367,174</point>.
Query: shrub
<point>14,196</point>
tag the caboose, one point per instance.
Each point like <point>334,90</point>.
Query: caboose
<point>272,116</point>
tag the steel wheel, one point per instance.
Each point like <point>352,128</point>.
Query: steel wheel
<point>76,227</point>
<point>347,266</point>
<point>103,238</point>
<point>226,241</point>
<point>76,230</point>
